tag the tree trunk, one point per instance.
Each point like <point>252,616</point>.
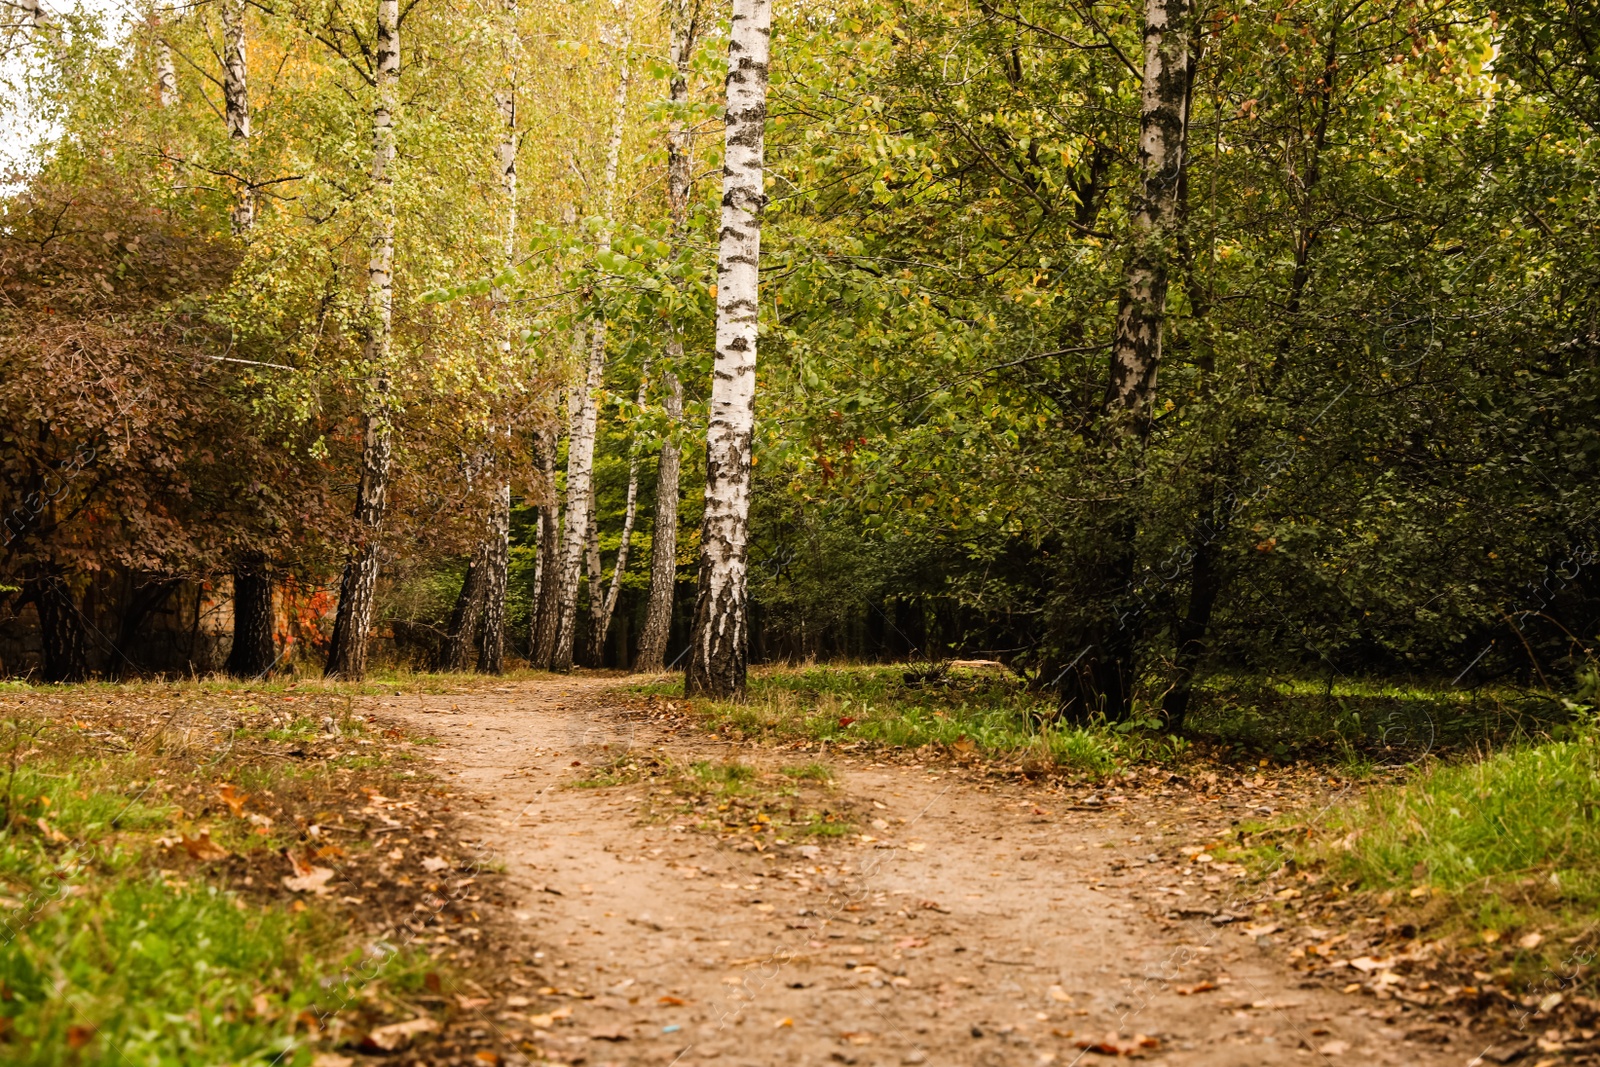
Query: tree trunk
<point>592,568</point>
<point>166,69</point>
<point>496,564</point>
<point>456,652</point>
<point>580,447</point>
<point>664,537</point>
<point>64,639</point>
<point>347,653</point>
<point>597,635</point>
<point>542,643</point>
<point>1163,130</point>
<point>254,651</point>
<point>236,104</point>
<point>497,543</point>
<point>717,645</point>
<point>1101,677</point>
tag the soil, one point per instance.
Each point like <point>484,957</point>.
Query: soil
<point>972,919</point>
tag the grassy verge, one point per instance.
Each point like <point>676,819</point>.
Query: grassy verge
<point>960,712</point>
<point>751,806</point>
<point>199,873</point>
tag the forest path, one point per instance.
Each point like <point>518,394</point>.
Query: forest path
<point>989,923</point>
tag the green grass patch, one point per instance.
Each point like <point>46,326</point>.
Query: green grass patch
<point>142,919</point>
<point>729,798</point>
<point>958,711</point>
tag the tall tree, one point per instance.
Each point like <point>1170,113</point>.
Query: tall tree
<point>580,446</point>
<point>664,537</point>
<point>497,543</point>
<point>603,607</point>
<point>1163,130</point>
<point>347,652</point>
<point>253,653</point>
<point>1100,676</point>
<point>718,643</point>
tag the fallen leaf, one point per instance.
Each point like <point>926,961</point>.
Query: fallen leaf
<point>397,1036</point>
<point>79,1036</point>
<point>786,1021</point>
<point>203,848</point>
<point>331,1059</point>
<point>50,833</point>
<point>234,799</point>
<point>1531,941</point>
<point>471,1003</point>
<point>1060,995</point>
<point>435,863</point>
<point>487,1055</point>
<point>1259,929</point>
<point>1198,987</point>
<point>672,1001</point>
<point>1366,964</point>
<point>316,881</point>
<point>1335,1048</point>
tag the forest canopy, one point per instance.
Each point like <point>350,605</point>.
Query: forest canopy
<point>1127,345</point>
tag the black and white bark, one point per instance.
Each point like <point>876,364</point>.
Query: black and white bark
<point>457,652</point>
<point>547,606</point>
<point>581,443</point>
<point>236,108</point>
<point>496,547</point>
<point>1163,132</point>
<point>664,537</point>
<point>1099,677</point>
<point>347,653</point>
<point>496,567</point>
<point>595,580</point>
<point>166,69</point>
<point>608,603</point>
<point>717,644</point>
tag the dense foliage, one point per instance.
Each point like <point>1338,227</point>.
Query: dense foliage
<point>1373,443</point>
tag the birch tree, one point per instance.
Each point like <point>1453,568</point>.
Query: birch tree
<point>580,446</point>
<point>1100,678</point>
<point>603,607</point>
<point>253,653</point>
<point>718,642</point>
<point>664,538</point>
<point>1163,129</point>
<point>483,590</point>
<point>347,653</point>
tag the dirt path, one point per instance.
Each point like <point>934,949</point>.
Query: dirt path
<point>992,925</point>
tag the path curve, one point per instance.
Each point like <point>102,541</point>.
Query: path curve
<point>986,924</point>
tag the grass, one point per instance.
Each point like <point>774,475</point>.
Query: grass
<point>1497,856</point>
<point>962,712</point>
<point>120,944</point>
<point>732,799</point>
<point>1364,723</point>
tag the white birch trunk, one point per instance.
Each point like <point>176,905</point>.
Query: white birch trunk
<point>580,448</point>
<point>718,643</point>
<point>347,654</point>
<point>498,537</point>
<point>664,537</point>
<point>166,69</point>
<point>1163,130</point>
<point>236,107</point>
<point>597,636</point>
